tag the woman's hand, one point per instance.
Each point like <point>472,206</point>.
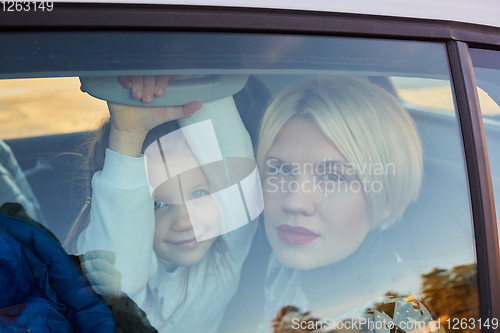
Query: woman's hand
<point>130,124</point>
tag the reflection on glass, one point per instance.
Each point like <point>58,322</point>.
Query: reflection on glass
<point>487,72</point>
<point>360,175</point>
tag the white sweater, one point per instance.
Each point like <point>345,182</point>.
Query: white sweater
<point>122,221</point>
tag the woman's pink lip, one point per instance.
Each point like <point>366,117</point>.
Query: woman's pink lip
<point>187,244</point>
<point>296,235</point>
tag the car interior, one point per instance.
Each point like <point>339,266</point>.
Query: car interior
<point>52,163</point>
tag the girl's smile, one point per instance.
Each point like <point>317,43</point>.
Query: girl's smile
<point>189,244</point>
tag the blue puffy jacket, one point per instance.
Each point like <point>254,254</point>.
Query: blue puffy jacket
<point>41,288</point>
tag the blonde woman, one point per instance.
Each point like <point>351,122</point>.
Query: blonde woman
<point>340,159</point>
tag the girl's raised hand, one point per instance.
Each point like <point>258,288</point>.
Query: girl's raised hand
<point>145,87</point>
<point>130,124</point>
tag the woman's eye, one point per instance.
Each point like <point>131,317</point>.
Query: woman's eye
<point>159,204</point>
<point>198,194</point>
<point>332,177</point>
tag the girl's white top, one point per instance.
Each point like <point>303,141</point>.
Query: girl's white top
<point>122,221</point>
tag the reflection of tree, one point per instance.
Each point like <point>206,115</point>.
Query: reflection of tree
<point>283,321</point>
<point>447,294</point>
<point>452,293</point>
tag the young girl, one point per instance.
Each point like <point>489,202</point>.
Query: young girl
<point>162,232</point>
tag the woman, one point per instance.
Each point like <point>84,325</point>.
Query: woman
<point>339,159</point>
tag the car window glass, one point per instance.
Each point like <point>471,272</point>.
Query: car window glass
<point>46,106</point>
<point>487,72</point>
<point>329,186</point>
<point>437,94</point>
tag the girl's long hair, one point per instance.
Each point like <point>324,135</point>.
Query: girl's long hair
<point>93,152</point>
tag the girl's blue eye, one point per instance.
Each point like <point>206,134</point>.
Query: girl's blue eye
<point>332,177</point>
<point>159,204</point>
<point>198,194</point>
<point>284,170</point>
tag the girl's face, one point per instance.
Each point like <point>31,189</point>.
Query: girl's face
<point>178,223</point>
<point>315,209</point>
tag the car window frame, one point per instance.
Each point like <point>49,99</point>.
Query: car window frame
<point>458,37</point>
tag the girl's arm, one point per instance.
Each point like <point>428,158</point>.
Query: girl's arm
<point>122,222</point>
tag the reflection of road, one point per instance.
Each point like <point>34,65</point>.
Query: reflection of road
<point>35,107</point>
<point>441,98</point>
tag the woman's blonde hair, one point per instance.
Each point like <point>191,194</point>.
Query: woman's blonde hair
<point>367,125</point>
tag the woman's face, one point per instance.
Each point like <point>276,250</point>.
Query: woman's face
<point>184,212</point>
<point>315,209</point>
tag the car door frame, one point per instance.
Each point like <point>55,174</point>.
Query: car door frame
<point>457,36</point>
